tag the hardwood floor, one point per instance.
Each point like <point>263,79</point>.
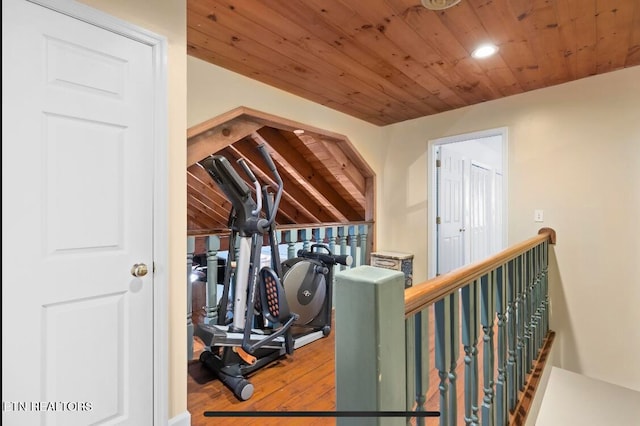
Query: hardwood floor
<point>301,382</point>
<point>305,382</point>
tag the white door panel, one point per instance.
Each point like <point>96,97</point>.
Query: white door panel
<point>77,214</point>
<point>480,200</point>
<point>450,211</point>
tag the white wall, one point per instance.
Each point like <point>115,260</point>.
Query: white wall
<point>574,151</point>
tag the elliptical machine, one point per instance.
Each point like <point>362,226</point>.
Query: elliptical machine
<point>260,331</point>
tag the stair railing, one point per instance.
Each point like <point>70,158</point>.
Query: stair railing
<point>490,325</point>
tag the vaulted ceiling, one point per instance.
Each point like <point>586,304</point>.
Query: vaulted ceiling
<point>382,61</point>
<point>386,61</point>
<point>325,179</point>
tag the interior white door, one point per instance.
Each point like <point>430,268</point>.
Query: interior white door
<point>77,193</point>
<point>479,231</point>
<point>450,210</point>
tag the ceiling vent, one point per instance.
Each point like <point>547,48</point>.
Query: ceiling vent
<point>439,4</point>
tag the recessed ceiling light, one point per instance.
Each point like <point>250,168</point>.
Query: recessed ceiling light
<point>439,4</point>
<point>298,131</point>
<point>484,51</point>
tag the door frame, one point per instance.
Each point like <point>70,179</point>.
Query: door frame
<point>432,191</point>
<point>158,45</point>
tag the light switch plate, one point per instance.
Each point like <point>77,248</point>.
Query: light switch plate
<point>538,215</point>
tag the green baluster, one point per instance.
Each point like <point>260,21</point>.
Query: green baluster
<point>512,380</point>
<point>417,357</point>
<point>469,296</point>
<point>502,415</point>
<point>411,367</point>
<point>332,236</point>
<point>444,354</point>
<point>545,286</point>
<point>318,235</point>
<point>529,327</point>
<point>487,283</point>
<point>362,230</point>
<point>342,238</point>
<point>525,317</point>
<point>291,237</point>
<point>455,352</point>
<point>353,245</point>
<point>538,300</point>
<point>520,308</point>
<point>305,237</point>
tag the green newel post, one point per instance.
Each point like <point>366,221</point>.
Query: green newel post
<point>370,344</point>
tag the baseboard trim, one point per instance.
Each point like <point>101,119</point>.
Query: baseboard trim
<point>182,419</point>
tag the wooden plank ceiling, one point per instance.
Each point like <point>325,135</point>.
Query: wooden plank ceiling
<point>325,179</point>
<point>382,61</point>
<point>386,61</point>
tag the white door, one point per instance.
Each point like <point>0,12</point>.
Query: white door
<point>77,192</point>
<point>479,231</point>
<point>450,212</point>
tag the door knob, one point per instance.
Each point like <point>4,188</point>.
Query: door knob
<point>139,270</point>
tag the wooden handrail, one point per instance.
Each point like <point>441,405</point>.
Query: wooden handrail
<point>419,296</point>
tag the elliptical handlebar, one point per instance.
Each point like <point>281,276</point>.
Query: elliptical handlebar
<point>247,211</point>
<point>256,185</point>
<point>271,216</point>
<point>327,258</point>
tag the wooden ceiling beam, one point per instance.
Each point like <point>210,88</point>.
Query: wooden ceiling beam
<point>324,163</point>
<point>303,201</point>
<point>210,141</point>
<point>336,155</point>
<point>194,224</point>
<point>297,161</point>
<point>292,210</point>
<point>246,148</point>
<point>288,213</point>
<point>201,208</point>
<point>214,201</point>
<point>289,174</point>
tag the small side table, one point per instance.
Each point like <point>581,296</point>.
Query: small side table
<point>397,261</point>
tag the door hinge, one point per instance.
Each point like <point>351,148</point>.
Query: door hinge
<point>438,220</point>
<point>438,163</point>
